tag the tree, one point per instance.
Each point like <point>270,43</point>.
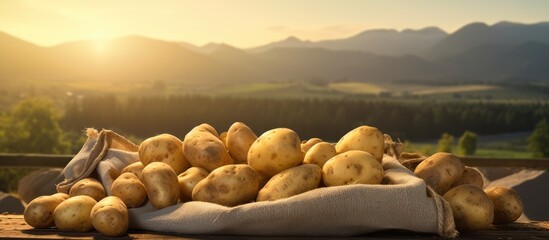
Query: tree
<point>32,126</point>
<point>467,143</point>
<point>445,143</point>
<point>538,142</point>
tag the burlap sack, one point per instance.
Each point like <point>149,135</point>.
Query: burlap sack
<point>103,156</point>
<point>403,202</point>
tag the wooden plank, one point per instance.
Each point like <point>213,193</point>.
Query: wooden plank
<point>14,227</point>
<point>34,160</point>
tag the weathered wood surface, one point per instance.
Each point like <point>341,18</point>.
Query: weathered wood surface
<point>60,161</point>
<point>14,227</point>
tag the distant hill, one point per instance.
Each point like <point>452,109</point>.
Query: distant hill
<point>477,34</point>
<point>476,52</point>
<point>381,42</point>
<point>131,58</point>
<point>499,62</point>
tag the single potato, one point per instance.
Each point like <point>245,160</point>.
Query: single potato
<point>62,195</point>
<point>73,214</point>
<point>205,150</point>
<point>470,176</point>
<point>161,183</point>
<point>275,151</point>
<point>89,187</point>
<point>110,217</point>
<point>208,128</point>
<point>39,212</point>
<point>164,148</point>
<point>291,182</point>
<point>129,189</point>
<point>472,208</point>
<point>239,140</point>
<point>229,185</point>
<point>223,138</point>
<point>507,204</point>
<point>365,138</point>
<point>188,180</point>
<point>440,171</point>
<point>306,145</point>
<point>136,168</point>
<point>352,167</point>
<point>319,154</point>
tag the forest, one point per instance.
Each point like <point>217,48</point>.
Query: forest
<point>328,119</point>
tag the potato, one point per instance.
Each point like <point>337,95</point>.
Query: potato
<point>291,182</point>
<point>319,154</point>
<point>164,148</point>
<point>275,151</point>
<point>161,183</point>
<point>228,185</point>
<point>306,145</point>
<point>73,214</point>
<point>89,187</point>
<point>352,167</point>
<point>440,171</point>
<point>129,189</point>
<point>507,204</point>
<point>472,208</point>
<point>223,138</point>
<point>205,150</point>
<point>365,138</point>
<point>110,217</point>
<point>208,128</point>
<point>136,168</point>
<point>39,212</point>
<point>62,195</point>
<point>239,140</point>
<point>470,176</point>
<point>188,180</point>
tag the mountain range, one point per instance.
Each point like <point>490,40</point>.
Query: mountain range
<point>476,51</point>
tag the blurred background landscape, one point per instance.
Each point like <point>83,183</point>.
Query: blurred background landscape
<point>436,83</point>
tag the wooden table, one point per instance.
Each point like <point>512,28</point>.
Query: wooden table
<point>14,227</point>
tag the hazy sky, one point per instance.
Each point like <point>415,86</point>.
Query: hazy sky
<point>247,23</point>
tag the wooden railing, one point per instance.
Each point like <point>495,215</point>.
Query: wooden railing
<point>9,160</point>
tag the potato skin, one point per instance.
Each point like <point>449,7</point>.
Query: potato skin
<point>164,148</point>
<point>73,214</point>
<point>365,138</point>
<point>205,150</point>
<point>507,204</point>
<point>239,140</point>
<point>291,182</point>
<point>228,185</point>
<point>319,154</point>
<point>39,211</point>
<point>188,180</point>
<point>440,171</point>
<point>89,187</point>
<point>136,168</point>
<point>161,183</point>
<point>472,208</point>
<point>129,189</point>
<point>308,144</point>
<point>275,151</point>
<point>470,176</point>
<point>352,167</point>
<point>62,195</point>
<point>110,217</point>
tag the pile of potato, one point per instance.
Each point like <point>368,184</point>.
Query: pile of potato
<point>462,187</point>
<point>237,167</point>
<point>230,169</point>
